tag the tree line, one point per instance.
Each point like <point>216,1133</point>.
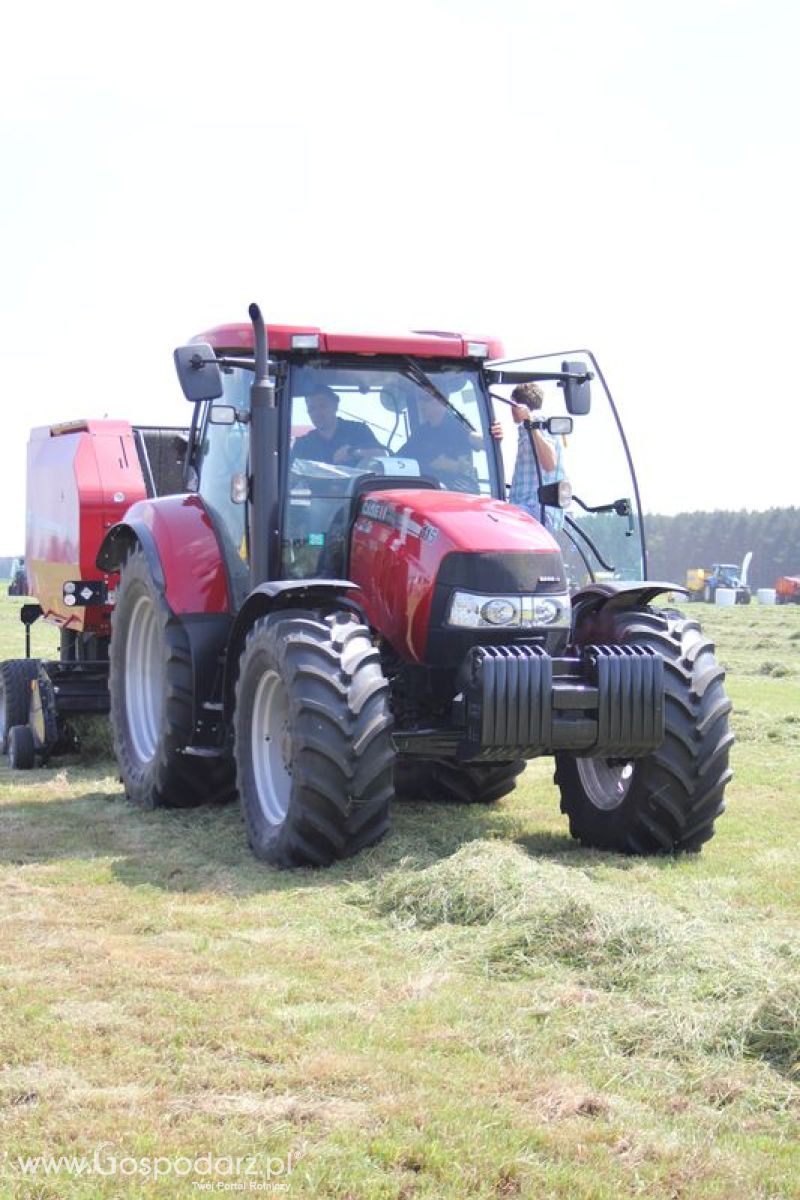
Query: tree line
<point>699,539</point>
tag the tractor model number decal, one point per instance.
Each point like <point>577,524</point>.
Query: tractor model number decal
<point>384,514</point>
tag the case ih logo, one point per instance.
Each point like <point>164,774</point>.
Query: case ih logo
<point>378,510</point>
<point>384,514</point>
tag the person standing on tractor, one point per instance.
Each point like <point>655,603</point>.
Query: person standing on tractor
<point>528,476</point>
<point>333,440</point>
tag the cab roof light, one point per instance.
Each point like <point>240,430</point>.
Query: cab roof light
<point>477,350</point>
<point>305,341</point>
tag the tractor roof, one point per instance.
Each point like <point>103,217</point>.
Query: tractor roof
<point>420,343</point>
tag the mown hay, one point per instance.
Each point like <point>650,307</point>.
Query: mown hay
<point>773,1031</point>
<point>479,882</point>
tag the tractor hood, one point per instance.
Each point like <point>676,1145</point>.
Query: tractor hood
<point>412,548</point>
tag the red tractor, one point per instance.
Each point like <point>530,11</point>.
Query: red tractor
<point>318,596</point>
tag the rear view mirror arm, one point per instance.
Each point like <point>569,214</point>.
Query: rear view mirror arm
<point>622,507</point>
<point>500,376</point>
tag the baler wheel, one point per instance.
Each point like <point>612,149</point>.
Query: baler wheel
<point>151,693</point>
<point>16,675</point>
<point>21,748</point>
<point>666,801</point>
<point>314,755</point>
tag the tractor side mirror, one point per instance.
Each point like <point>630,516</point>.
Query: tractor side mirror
<point>198,371</point>
<point>559,425</point>
<point>577,394</point>
<point>222,414</point>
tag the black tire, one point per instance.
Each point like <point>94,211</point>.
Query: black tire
<point>155,772</point>
<point>444,782</point>
<point>21,748</point>
<point>16,675</point>
<point>311,685</point>
<point>412,778</point>
<point>669,800</point>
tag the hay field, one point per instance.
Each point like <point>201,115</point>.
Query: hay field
<point>477,1007</point>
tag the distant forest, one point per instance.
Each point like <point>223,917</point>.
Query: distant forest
<point>698,539</point>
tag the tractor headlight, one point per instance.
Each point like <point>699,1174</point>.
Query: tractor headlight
<point>469,610</point>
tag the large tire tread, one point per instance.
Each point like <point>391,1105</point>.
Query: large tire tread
<point>677,792</point>
<point>340,723</point>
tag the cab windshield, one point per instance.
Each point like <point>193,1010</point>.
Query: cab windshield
<point>405,419</point>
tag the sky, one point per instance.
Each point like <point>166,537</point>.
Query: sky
<point>617,175</point>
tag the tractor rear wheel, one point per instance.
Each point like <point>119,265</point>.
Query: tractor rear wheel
<point>445,782</point>
<point>151,693</point>
<point>16,675</point>
<point>669,800</point>
<point>314,755</point>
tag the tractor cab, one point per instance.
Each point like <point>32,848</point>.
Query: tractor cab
<point>350,422</point>
<point>347,425</point>
<point>726,574</point>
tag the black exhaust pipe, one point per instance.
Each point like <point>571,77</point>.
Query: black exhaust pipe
<point>265,537</point>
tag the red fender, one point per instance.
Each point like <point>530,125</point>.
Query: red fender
<point>178,537</point>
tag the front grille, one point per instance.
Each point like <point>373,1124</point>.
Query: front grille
<point>507,572</point>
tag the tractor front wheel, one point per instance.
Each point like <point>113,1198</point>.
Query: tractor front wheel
<point>314,755</point>
<point>668,800</point>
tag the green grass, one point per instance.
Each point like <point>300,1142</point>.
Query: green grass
<point>477,1007</point>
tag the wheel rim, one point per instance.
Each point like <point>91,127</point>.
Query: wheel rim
<point>144,675</point>
<point>606,781</point>
<point>271,743</point>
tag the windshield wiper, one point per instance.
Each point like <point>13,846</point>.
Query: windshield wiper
<point>412,370</point>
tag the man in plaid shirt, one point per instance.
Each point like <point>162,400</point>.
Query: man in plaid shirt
<point>527,398</point>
